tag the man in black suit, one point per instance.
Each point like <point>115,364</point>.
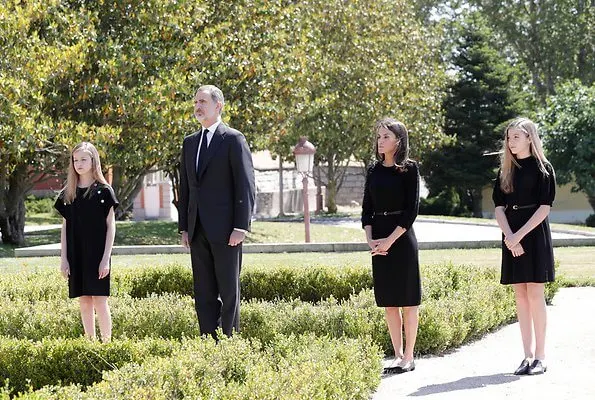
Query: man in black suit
<point>215,208</point>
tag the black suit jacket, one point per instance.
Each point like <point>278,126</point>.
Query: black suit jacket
<point>221,194</point>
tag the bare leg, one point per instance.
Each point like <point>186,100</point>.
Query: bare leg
<point>523,311</point>
<point>536,296</point>
<point>104,318</point>
<point>87,316</point>
<point>411,317</point>
<point>395,328</point>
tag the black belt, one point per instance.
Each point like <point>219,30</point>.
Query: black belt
<point>517,207</point>
<point>388,212</point>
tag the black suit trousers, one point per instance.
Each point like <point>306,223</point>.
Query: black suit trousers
<point>216,276</point>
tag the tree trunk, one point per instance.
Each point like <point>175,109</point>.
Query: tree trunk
<point>591,198</point>
<point>477,198</point>
<point>126,188</point>
<point>12,215</point>
<point>174,176</point>
<point>331,186</point>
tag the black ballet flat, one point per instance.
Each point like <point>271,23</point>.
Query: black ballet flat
<point>390,370</point>
<point>537,368</point>
<point>407,367</point>
<point>523,369</point>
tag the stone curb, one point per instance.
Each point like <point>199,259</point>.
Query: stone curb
<point>54,249</point>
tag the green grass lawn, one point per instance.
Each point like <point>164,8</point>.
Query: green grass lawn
<point>576,264</point>
<point>165,232</point>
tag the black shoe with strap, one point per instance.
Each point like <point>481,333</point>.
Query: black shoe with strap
<point>537,368</point>
<point>523,369</point>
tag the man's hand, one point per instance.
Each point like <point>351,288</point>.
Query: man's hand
<point>236,238</point>
<point>185,242</point>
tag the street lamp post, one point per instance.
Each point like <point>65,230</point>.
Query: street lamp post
<point>304,162</point>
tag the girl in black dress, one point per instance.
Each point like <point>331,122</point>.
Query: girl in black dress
<point>87,205</point>
<point>523,195</point>
<point>390,205</point>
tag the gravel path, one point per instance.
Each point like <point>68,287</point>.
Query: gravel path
<point>483,369</point>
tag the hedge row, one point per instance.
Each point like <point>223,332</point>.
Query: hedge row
<point>288,368</point>
<point>444,322</point>
<point>262,283</point>
<point>57,361</point>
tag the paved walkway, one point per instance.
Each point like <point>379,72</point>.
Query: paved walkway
<point>429,230</point>
<point>483,369</point>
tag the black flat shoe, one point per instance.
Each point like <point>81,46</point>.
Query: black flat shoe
<point>406,367</point>
<point>537,368</point>
<point>392,368</point>
<point>523,369</point>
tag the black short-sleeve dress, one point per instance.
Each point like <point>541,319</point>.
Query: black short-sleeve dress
<point>86,230</point>
<point>391,199</point>
<point>531,188</point>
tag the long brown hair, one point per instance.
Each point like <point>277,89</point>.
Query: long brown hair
<point>400,131</point>
<point>72,178</point>
<point>507,159</point>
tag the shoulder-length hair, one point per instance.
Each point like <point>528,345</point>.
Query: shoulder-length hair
<point>72,178</point>
<point>400,131</point>
<point>507,159</point>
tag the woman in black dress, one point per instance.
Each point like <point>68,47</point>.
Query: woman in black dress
<point>523,195</point>
<point>390,205</point>
<point>87,206</point>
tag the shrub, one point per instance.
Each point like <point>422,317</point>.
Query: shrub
<point>288,368</point>
<point>590,221</point>
<point>58,361</point>
<point>168,316</point>
<point>40,205</point>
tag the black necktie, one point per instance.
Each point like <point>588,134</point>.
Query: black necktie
<point>203,149</point>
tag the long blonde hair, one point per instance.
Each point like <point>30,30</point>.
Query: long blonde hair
<point>72,179</point>
<point>507,159</point>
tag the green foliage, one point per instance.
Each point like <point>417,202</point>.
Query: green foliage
<point>311,283</point>
<point>42,205</point>
<point>476,106</point>
<point>289,368</point>
<point>554,39</point>
<point>568,127</point>
<point>459,303</point>
<point>27,364</point>
<point>447,202</point>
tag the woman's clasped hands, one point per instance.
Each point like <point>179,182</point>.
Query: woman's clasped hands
<point>513,243</point>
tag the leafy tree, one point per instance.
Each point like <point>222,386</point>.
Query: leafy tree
<point>476,106</point>
<point>568,127</point>
<point>39,41</point>
<point>554,39</point>
<point>365,60</point>
<point>129,83</point>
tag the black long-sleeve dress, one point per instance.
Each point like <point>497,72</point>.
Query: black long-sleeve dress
<point>396,275</point>
<point>86,232</point>
<point>532,188</point>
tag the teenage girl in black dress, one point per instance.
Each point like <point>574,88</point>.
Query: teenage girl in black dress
<point>88,229</point>
<point>523,195</point>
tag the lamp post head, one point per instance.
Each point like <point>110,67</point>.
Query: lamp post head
<point>304,155</point>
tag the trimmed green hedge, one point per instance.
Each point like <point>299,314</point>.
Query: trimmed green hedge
<point>312,284</point>
<point>264,283</point>
<point>294,368</point>
<point>460,303</point>
<point>168,316</point>
<point>57,361</point>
